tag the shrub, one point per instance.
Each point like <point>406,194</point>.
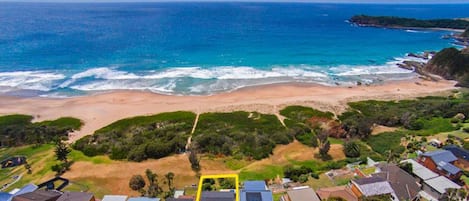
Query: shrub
<point>351,149</point>
<point>466,129</point>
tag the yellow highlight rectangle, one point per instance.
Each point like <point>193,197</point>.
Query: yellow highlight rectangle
<point>203,177</point>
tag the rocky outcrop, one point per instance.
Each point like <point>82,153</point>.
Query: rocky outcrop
<point>452,64</point>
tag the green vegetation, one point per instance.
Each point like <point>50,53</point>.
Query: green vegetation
<point>423,116</point>
<point>18,130</point>
<point>240,134</point>
<point>301,114</point>
<point>390,21</point>
<point>154,188</point>
<point>267,171</point>
<point>299,173</point>
<point>351,149</point>
<point>386,141</point>
<point>141,137</point>
<point>451,63</point>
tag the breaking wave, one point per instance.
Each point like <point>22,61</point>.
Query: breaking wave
<point>194,80</point>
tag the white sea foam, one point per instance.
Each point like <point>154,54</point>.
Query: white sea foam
<point>31,80</point>
<point>197,80</point>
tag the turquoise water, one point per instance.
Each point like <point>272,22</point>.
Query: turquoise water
<point>60,50</point>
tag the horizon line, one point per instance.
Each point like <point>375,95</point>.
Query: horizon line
<point>242,1</point>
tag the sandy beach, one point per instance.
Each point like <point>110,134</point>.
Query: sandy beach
<point>100,110</point>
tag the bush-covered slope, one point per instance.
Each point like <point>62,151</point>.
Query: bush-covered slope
<point>142,137</point>
<point>16,130</point>
<point>451,63</point>
<point>242,134</point>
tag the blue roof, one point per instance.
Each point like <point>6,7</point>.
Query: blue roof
<point>441,155</point>
<point>26,189</point>
<point>5,196</point>
<point>458,151</point>
<point>255,191</point>
<point>254,185</point>
<point>448,167</point>
<point>143,199</point>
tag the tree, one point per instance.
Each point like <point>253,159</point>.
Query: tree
<point>351,149</point>
<point>453,194</point>
<point>61,154</point>
<point>324,144</point>
<point>137,183</point>
<point>169,180</point>
<point>62,151</point>
<point>154,188</point>
<point>28,167</point>
<point>194,160</point>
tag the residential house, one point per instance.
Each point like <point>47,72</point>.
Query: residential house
<point>460,153</point>
<point>442,163</point>
<point>25,189</point>
<point>217,196</point>
<point>343,192</point>
<point>143,199</point>
<point>114,198</point>
<point>404,185</point>
<point>372,186</point>
<point>300,194</point>
<point>39,195</point>
<point>436,187</point>
<point>420,171</point>
<point>76,196</point>
<point>255,191</point>
<point>178,193</point>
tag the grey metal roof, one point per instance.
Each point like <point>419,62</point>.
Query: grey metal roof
<point>306,194</point>
<point>376,188</point>
<point>448,167</point>
<point>419,170</point>
<point>441,183</point>
<point>143,199</point>
<point>403,183</point>
<point>114,198</point>
<point>441,155</point>
<point>368,180</point>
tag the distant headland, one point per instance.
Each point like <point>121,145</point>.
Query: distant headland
<point>400,22</point>
<point>449,63</point>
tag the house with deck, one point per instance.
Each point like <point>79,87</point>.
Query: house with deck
<point>441,162</point>
<point>460,153</point>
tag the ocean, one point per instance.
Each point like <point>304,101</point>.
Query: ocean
<point>75,49</point>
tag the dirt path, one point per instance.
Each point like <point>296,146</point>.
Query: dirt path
<point>189,140</point>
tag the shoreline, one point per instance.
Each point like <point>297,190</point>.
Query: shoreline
<point>99,110</point>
